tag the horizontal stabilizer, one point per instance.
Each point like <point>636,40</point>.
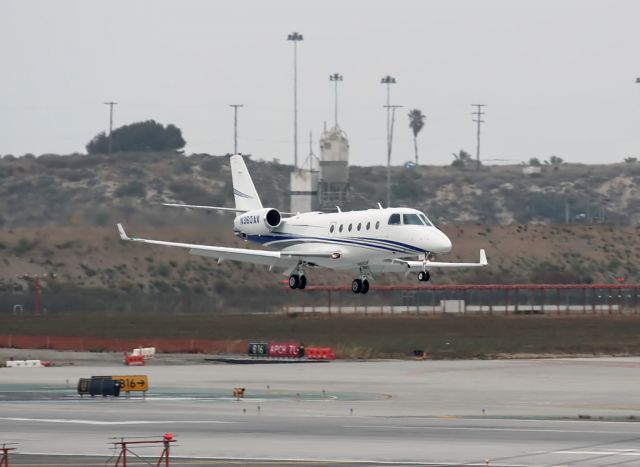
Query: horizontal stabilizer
<point>210,208</point>
<point>214,208</point>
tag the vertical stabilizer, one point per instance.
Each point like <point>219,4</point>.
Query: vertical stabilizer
<point>244,192</point>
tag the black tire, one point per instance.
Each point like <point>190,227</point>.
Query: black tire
<point>424,276</point>
<point>365,286</point>
<point>294,281</point>
<point>302,282</point>
<point>356,286</point>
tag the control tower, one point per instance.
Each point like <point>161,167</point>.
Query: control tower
<point>333,187</point>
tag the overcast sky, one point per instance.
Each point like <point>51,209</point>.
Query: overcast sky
<point>558,76</point>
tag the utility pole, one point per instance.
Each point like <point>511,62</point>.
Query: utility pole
<point>392,110</point>
<point>110,104</point>
<point>478,113</point>
<point>335,78</point>
<point>388,81</point>
<point>295,38</point>
<point>235,126</point>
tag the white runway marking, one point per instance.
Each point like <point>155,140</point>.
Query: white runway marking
<point>123,422</point>
<point>479,428</point>
<point>310,460</point>
<point>610,452</point>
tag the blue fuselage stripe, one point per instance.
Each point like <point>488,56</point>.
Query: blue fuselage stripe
<point>387,245</point>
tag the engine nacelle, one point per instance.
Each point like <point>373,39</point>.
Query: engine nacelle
<point>259,222</point>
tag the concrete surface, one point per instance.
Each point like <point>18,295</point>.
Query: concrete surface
<point>512,412</point>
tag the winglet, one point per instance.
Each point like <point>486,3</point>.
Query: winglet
<point>483,258</point>
<point>123,235</point>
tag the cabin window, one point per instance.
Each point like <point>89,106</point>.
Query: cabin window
<point>368,225</point>
<point>340,229</point>
<point>377,225</point>
<point>359,225</point>
<point>394,219</point>
<point>332,228</point>
<point>350,226</point>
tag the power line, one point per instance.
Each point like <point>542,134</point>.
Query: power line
<point>478,113</point>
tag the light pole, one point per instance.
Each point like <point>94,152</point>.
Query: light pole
<point>110,104</point>
<point>295,38</point>
<point>235,126</point>
<point>388,81</point>
<point>335,78</point>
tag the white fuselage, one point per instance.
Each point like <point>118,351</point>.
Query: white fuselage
<point>371,237</point>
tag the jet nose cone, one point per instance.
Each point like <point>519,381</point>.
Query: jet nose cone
<point>443,244</point>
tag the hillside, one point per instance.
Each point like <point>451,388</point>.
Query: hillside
<point>57,216</point>
<point>95,190</point>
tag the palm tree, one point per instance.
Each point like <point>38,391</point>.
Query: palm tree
<point>416,122</point>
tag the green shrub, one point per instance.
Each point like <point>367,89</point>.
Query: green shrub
<point>134,189</point>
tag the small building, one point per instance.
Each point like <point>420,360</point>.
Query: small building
<point>333,187</point>
<point>304,190</point>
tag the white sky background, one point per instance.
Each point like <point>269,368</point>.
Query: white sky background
<point>557,75</point>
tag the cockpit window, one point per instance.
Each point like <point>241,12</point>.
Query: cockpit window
<point>394,219</point>
<point>412,219</point>
<point>426,220</point>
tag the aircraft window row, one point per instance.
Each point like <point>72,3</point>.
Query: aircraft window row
<point>350,227</point>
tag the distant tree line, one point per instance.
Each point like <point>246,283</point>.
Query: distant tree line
<point>140,136</point>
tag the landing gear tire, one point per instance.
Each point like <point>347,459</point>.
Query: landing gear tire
<point>297,281</point>
<point>365,286</point>
<point>424,276</point>
<point>356,286</point>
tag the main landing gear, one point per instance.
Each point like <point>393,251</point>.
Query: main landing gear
<point>424,276</point>
<point>298,280</point>
<point>361,285</point>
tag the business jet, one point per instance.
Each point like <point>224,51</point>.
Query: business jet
<point>367,242</point>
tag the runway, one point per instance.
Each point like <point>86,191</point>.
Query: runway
<point>536,413</point>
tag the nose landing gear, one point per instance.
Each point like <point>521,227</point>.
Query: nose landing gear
<point>424,276</point>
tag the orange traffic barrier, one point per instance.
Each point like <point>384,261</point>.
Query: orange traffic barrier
<point>134,360</point>
<point>319,353</point>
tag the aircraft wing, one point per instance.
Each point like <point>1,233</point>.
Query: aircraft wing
<point>271,258</point>
<point>435,264</point>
